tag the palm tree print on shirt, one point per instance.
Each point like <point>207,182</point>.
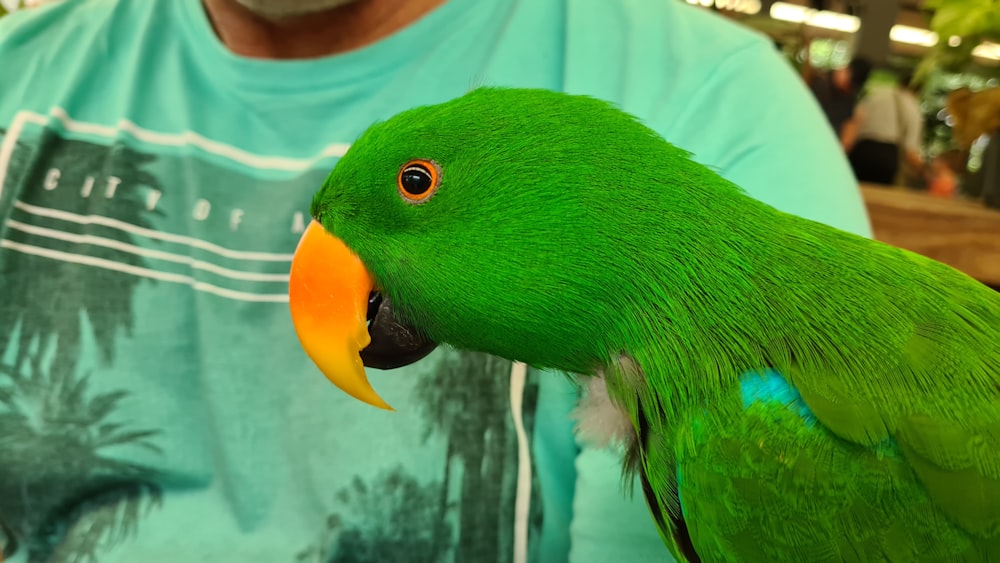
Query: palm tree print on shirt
<point>466,400</point>
<point>468,514</point>
<point>392,519</point>
<point>63,498</point>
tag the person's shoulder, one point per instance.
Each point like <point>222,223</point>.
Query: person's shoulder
<point>651,56</point>
<point>693,30</point>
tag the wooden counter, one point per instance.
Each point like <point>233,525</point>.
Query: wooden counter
<point>962,234</point>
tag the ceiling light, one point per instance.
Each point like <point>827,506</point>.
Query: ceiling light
<point>987,50</point>
<point>913,35</point>
<point>750,7</point>
<point>815,18</point>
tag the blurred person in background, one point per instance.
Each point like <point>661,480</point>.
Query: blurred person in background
<point>157,161</point>
<point>837,92</point>
<point>890,133</point>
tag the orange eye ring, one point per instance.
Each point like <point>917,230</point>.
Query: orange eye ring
<point>418,179</point>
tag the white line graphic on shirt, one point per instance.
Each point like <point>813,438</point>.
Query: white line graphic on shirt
<point>150,233</point>
<point>142,272</point>
<point>149,253</point>
<point>88,260</point>
<point>60,118</point>
<point>182,139</point>
<point>190,138</point>
<point>10,140</point>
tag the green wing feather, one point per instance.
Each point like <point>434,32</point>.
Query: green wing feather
<point>930,384</point>
<point>763,488</point>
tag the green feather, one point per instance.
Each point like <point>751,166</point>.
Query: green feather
<point>568,235</point>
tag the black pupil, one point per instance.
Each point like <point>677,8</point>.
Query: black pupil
<point>416,180</point>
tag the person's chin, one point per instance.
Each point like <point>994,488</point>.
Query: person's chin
<point>291,8</point>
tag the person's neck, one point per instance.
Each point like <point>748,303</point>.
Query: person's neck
<point>328,32</point>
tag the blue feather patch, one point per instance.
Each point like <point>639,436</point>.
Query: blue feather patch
<point>769,386</point>
<point>765,386</point>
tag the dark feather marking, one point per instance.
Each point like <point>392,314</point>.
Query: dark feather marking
<point>677,525</point>
<point>628,377</point>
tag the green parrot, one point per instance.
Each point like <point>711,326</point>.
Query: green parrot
<point>782,390</point>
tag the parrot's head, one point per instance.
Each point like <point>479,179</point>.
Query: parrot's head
<point>507,221</point>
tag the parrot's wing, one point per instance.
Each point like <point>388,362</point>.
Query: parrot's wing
<point>648,459</point>
<point>941,407</point>
<point>660,489</point>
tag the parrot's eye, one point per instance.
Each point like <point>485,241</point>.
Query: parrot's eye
<point>418,180</point>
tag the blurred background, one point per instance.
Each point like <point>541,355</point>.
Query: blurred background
<point>913,89</point>
<point>944,199</point>
<point>948,45</point>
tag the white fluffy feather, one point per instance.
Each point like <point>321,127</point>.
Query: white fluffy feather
<point>599,421</point>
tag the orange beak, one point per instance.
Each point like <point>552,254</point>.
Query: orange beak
<point>328,296</point>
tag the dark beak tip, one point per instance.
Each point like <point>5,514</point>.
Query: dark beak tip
<point>394,342</point>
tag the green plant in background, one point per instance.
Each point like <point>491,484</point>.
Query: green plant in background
<point>828,54</point>
<point>938,122</point>
<point>961,26</point>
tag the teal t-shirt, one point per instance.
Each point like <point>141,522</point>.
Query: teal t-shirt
<point>154,402</point>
